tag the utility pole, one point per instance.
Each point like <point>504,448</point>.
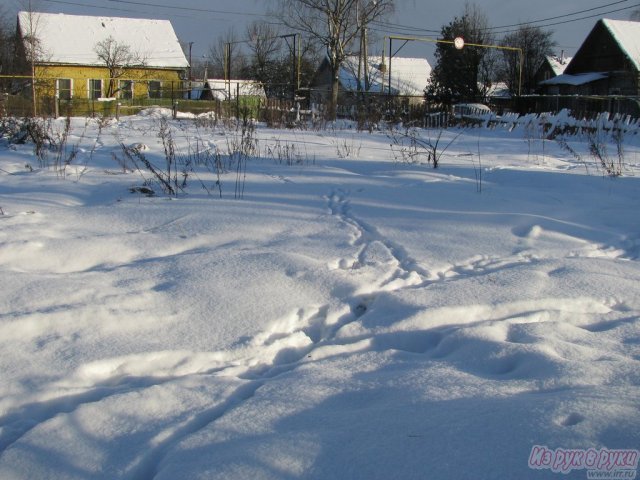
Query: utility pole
<point>227,68</point>
<point>190,71</point>
<point>360,59</point>
<point>293,69</point>
<point>32,45</point>
<point>365,56</point>
<point>363,61</point>
<point>295,64</point>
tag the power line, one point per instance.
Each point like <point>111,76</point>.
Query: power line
<point>195,11</point>
<point>577,19</point>
<point>183,8</point>
<point>408,28</point>
<point>75,4</point>
<point>567,15</point>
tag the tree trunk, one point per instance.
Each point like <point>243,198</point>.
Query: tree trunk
<point>333,100</point>
<point>34,91</point>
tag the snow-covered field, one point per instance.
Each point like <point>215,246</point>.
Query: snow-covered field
<point>352,316</point>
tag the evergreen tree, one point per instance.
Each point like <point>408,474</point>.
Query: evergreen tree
<point>459,74</point>
<point>7,44</point>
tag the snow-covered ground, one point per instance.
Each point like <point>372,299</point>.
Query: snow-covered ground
<point>353,315</point>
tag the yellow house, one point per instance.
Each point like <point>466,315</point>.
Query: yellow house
<point>99,58</point>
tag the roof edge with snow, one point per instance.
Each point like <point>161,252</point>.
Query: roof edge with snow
<point>575,80</point>
<point>627,35</point>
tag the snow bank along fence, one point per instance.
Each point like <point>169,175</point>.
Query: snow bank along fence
<point>552,124</point>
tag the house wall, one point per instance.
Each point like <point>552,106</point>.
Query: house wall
<point>80,76</point>
<point>623,83</point>
<point>545,72</point>
<point>321,85</point>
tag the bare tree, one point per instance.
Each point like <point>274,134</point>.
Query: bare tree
<point>117,57</point>
<point>225,56</point>
<point>7,51</point>
<point>6,43</point>
<point>535,45</point>
<point>334,24</point>
<point>32,48</point>
<point>273,58</point>
<point>265,44</point>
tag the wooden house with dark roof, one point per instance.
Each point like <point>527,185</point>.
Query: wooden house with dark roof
<point>607,63</point>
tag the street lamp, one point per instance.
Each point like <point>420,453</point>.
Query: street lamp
<point>458,43</point>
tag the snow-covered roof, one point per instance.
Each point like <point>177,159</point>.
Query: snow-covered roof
<point>409,76</point>
<point>498,90</point>
<point>71,39</point>
<point>219,88</point>
<point>575,80</point>
<point>627,34</point>
<point>558,64</point>
<point>244,87</point>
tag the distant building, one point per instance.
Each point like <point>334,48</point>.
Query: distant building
<point>220,89</point>
<point>552,66</point>
<point>498,96</point>
<point>67,65</point>
<point>409,78</point>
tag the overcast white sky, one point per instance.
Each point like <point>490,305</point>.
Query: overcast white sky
<point>203,21</point>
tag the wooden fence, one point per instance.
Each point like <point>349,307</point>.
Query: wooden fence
<point>367,111</point>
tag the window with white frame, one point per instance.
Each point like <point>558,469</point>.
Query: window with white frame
<point>125,89</point>
<point>155,89</point>
<point>95,88</point>
<point>64,88</point>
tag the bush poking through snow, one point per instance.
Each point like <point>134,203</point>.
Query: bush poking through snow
<point>346,148</point>
<point>49,141</point>
<point>241,148</point>
<point>612,166</point>
<point>285,153</point>
<point>37,130</point>
<point>562,142</point>
<point>63,154</point>
<point>412,148</point>
<point>242,145</point>
<point>171,174</point>
<point>10,128</point>
<point>143,190</point>
<point>597,141</point>
<point>137,157</point>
